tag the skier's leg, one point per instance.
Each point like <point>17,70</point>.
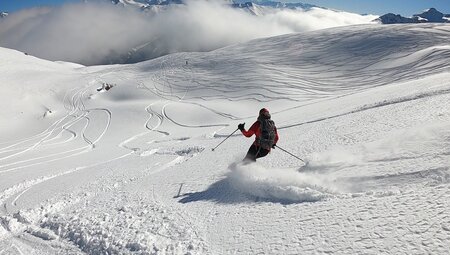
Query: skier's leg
<point>261,152</point>
<point>251,154</point>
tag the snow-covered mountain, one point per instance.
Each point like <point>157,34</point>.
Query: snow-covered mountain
<point>429,15</point>
<point>145,3</point>
<point>130,170</point>
<point>261,8</point>
<point>273,4</point>
<point>256,8</point>
<point>391,18</point>
<point>3,14</point>
<point>238,4</point>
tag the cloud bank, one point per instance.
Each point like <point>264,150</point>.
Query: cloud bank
<point>96,33</point>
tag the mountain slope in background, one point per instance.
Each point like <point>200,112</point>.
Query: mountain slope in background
<point>3,14</point>
<point>130,170</point>
<point>430,15</point>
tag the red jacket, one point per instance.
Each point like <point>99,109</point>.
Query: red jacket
<point>255,130</point>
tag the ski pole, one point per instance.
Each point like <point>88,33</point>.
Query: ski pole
<point>290,153</point>
<point>225,139</point>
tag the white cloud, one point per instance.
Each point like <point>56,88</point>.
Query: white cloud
<point>317,18</point>
<point>103,33</point>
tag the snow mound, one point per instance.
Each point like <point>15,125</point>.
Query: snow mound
<point>285,185</point>
<point>128,229</point>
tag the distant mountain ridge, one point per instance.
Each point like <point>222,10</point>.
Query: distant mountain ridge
<point>430,15</point>
<point>243,4</point>
<point>145,3</point>
<point>3,14</point>
<point>274,4</point>
<point>256,7</point>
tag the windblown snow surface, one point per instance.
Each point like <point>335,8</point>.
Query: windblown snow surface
<point>130,170</point>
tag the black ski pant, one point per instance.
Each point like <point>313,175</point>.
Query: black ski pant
<point>255,152</point>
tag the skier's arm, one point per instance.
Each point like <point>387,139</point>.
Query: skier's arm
<point>252,130</point>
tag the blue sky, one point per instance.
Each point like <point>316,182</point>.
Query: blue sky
<point>404,7</point>
<point>14,5</point>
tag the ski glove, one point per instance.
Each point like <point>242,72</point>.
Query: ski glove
<point>273,146</point>
<point>241,126</point>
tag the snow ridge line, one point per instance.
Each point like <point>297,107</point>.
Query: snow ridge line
<point>374,106</point>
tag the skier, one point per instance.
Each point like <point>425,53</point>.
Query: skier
<point>266,136</point>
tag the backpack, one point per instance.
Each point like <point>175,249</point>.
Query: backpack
<point>267,139</point>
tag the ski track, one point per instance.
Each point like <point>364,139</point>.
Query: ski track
<point>23,187</point>
<point>77,105</point>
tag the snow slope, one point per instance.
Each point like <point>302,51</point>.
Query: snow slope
<point>130,170</point>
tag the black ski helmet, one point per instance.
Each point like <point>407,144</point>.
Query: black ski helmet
<point>264,113</point>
